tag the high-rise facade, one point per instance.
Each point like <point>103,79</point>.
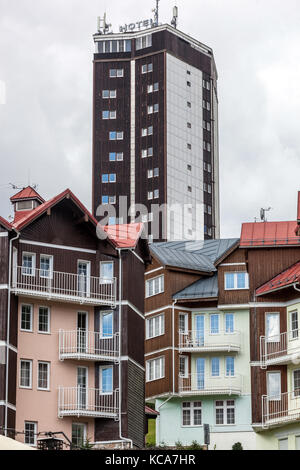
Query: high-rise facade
<point>155,131</point>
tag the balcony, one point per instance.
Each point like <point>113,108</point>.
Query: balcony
<point>280,410</point>
<point>281,349</point>
<point>192,341</point>
<point>88,346</point>
<point>65,287</point>
<point>87,402</point>
<point>197,384</point>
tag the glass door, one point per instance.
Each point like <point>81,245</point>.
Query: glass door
<point>82,329</point>
<point>82,387</point>
<point>200,373</point>
<point>199,327</point>
<point>83,272</point>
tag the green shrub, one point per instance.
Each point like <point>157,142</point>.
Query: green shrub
<point>237,446</point>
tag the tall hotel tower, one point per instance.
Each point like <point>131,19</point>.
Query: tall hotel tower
<point>155,129</point>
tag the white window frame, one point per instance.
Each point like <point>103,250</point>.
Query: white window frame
<point>210,323</point>
<point>278,372</point>
<point>292,337</point>
<point>161,326</point>
<point>104,280</point>
<point>186,366</point>
<point>235,280</point>
<point>51,266</point>
<point>293,383</point>
<point>161,369</point>
<point>225,407</point>
<point>48,376</point>
<point>82,426</point>
<point>161,285</point>
<point>29,253</point>
<point>191,408</point>
<point>34,431</point>
<point>48,332</point>
<point>211,368</point>
<point>233,317</point>
<point>102,313</point>
<point>186,322</point>
<point>234,366</point>
<point>31,318</point>
<point>30,374</point>
<point>100,380</point>
<point>275,338</point>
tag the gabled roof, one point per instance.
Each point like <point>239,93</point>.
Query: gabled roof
<point>258,234</point>
<point>27,193</point>
<point>199,256</point>
<point>150,412</point>
<point>124,235</point>
<point>7,225</point>
<point>298,208</point>
<point>206,288</point>
<point>285,279</point>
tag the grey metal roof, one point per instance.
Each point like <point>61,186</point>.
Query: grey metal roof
<point>197,255</point>
<point>203,288</point>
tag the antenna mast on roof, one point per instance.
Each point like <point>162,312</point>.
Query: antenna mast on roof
<point>103,27</point>
<point>156,13</point>
<point>175,17</point>
<point>263,214</point>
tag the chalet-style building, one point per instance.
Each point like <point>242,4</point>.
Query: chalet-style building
<point>71,324</point>
<point>197,350</point>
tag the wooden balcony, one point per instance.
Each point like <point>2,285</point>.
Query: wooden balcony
<point>64,287</point>
<point>197,384</point>
<point>87,402</point>
<point>88,346</point>
<point>277,411</point>
<point>281,349</point>
<point>192,341</point>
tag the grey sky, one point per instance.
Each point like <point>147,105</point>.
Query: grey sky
<point>46,52</point>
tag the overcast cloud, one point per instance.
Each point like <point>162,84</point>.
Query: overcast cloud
<point>46,53</point>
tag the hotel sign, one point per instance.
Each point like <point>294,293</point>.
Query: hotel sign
<point>137,26</point>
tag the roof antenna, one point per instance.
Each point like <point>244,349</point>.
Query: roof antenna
<point>102,26</point>
<point>175,17</point>
<point>156,13</point>
<point>263,214</point>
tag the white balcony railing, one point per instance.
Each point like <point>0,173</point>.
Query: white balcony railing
<point>87,402</point>
<point>279,349</point>
<point>88,345</point>
<point>63,286</point>
<point>193,341</point>
<point>198,384</point>
<point>282,409</point>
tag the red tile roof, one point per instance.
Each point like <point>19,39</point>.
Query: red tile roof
<point>298,208</point>
<point>282,280</point>
<point>27,193</point>
<point>7,225</point>
<point>150,411</point>
<point>124,235</point>
<point>269,234</point>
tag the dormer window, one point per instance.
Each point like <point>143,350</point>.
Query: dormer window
<point>26,205</point>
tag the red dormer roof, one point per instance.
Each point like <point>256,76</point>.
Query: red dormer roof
<point>7,225</point>
<point>27,193</point>
<point>259,234</point>
<point>124,235</point>
<point>298,208</point>
<point>285,279</point>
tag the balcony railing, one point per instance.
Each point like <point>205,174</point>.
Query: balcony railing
<point>198,384</point>
<point>87,402</point>
<point>282,409</point>
<point>193,341</point>
<point>61,286</point>
<point>88,346</point>
<point>280,349</point>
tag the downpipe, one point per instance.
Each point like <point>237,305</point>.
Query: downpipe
<point>296,288</point>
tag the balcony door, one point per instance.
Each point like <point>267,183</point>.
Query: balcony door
<point>200,373</point>
<point>82,331</point>
<point>82,379</point>
<point>199,329</point>
<point>84,273</point>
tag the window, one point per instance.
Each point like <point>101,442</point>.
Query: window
<point>155,369</point>
<point>215,367</point>
<point>236,280</point>
<point>44,320</point>
<point>189,167</point>
<point>43,375</point>
<point>26,317</point>
<point>150,109</point>
<point>153,87</point>
<point>229,322</point>
<point>274,386</point>
<point>116,135</point>
<point>106,324</point>
<point>150,217</point>
<point>188,72</point>
<point>25,374</point>
<point>106,94</point>
<point>206,84</point>
<point>147,68</point>
<point>28,264</point>
<point>113,156</point>
<point>294,325</point>
<point>78,434</point>
<point>156,193</point>
<point>229,366</point>
<point>156,108</point>
<point>225,412</point>
<point>189,125</point>
<point>105,178</point>
<point>188,83</point>
<point>116,73</point>
<point>109,114</point>
<point>143,42</point>
<point>296,383</point>
<point>189,189</point>
<point>183,322</point>
<point>155,326</point>
<point>156,172</point>
<point>106,380</point>
<point>191,413</point>
<point>104,199</point>
<point>272,327</point>
<point>189,146</point>
<point>112,199</point>
<point>108,47</point>
<point>214,324</point>
<point>150,173</point>
<point>150,195</point>
<point>30,433</point>
<point>46,266</point>
<point>106,271</point>
<point>206,105</point>
<point>283,444</point>
<point>189,104</point>
<point>112,178</point>
<point>155,286</point>
<point>183,366</point>
<point>25,205</point>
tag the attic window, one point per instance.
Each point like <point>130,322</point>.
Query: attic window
<point>25,205</point>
